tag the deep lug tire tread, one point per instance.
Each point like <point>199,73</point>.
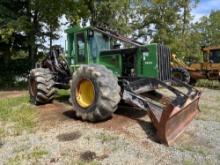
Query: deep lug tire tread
<point>184,73</point>
<point>108,95</point>
<point>45,90</point>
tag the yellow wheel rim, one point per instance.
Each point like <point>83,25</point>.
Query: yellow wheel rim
<point>85,93</point>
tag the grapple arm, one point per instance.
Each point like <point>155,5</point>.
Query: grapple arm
<point>169,115</point>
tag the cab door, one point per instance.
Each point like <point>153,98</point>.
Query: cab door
<point>81,48</point>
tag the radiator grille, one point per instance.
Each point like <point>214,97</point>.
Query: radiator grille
<point>164,57</point>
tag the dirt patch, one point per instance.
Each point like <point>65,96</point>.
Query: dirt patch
<point>125,117</point>
<point>54,160</point>
<point>88,156</point>
<point>52,113</point>
<point>11,94</point>
<point>69,136</point>
<point>55,112</point>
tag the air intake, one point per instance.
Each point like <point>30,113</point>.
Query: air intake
<point>164,57</point>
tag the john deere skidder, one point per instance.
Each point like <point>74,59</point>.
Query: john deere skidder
<point>101,74</point>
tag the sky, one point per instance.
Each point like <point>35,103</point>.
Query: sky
<point>202,9</point>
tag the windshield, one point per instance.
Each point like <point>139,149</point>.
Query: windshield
<point>98,43</point>
<point>215,56</point>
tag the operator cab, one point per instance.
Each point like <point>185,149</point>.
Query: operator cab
<point>214,56</point>
<point>92,45</point>
<point>123,56</point>
<point>211,54</point>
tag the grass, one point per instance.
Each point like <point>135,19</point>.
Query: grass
<point>218,156</point>
<point>2,133</point>
<point>82,162</point>
<point>38,153</point>
<point>195,149</point>
<point>209,113</point>
<point>21,148</point>
<point>106,138</point>
<point>21,158</point>
<point>17,160</point>
<point>63,92</point>
<point>19,112</point>
<point>188,162</point>
<point>213,84</point>
<point>63,95</point>
<point>112,141</point>
<point>209,105</point>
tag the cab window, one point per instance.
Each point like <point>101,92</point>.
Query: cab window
<point>215,56</point>
<point>81,46</point>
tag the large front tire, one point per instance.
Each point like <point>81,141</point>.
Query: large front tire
<point>41,86</point>
<point>95,93</point>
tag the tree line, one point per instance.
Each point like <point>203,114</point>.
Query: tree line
<point>25,25</point>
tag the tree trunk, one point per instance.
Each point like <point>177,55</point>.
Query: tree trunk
<point>32,47</point>
<point>51,41</point>
<point>185,13</point>
<point>6,54</point>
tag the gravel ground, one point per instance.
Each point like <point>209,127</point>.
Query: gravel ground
<point>127,138</point>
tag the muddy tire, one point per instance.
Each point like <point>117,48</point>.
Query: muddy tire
<point>41,86</point>
<point>181,74</point>
<point>106,92</point>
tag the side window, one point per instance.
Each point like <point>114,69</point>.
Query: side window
<point>80,41</point>
<point>215,56</point>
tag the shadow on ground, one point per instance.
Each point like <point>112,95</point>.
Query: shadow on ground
<point>141,118</point>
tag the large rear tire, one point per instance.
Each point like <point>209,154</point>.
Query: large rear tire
<point>95,93</point>
<point>181,74</point>
<point>41,86</point>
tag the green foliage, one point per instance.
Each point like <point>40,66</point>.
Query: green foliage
<point>167,22</point>
<point>77,10</point>
<point>207,29</point>
<point>113,14</point>
<point>25,25</point>
<point>14,74</point>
